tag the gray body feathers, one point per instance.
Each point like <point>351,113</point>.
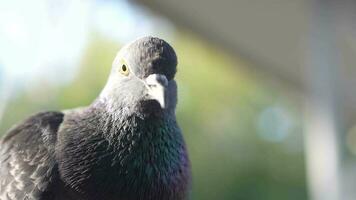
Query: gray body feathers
<point>27,158</point>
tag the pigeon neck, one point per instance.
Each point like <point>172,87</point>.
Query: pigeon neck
<point>125,153</point>
<point>119,111</point>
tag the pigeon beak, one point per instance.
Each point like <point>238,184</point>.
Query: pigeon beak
<point>156,85</point>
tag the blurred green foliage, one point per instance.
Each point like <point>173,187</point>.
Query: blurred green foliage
<point>220,101</point>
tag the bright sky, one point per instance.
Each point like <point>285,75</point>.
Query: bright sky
<point>40,35</point>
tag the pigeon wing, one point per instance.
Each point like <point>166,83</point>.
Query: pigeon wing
<point>27,158</point>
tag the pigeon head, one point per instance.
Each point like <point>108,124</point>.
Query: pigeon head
<point>142,77</point>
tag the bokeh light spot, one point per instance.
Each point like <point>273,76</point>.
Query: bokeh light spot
<point>274,124</point>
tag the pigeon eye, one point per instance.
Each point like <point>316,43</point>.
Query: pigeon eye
<point>124,70</point>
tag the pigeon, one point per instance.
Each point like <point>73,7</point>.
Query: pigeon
<point>126,145</point>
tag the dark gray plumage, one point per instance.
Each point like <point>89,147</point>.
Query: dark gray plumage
<point>126,145</point>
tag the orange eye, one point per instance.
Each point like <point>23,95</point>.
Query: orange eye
<point>124,70</point>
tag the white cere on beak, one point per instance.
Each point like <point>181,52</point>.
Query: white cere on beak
<point>156,85</point>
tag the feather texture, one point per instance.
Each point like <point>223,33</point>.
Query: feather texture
<point>27,161</point>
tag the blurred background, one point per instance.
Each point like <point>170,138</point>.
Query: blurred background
<point>267,101</point>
